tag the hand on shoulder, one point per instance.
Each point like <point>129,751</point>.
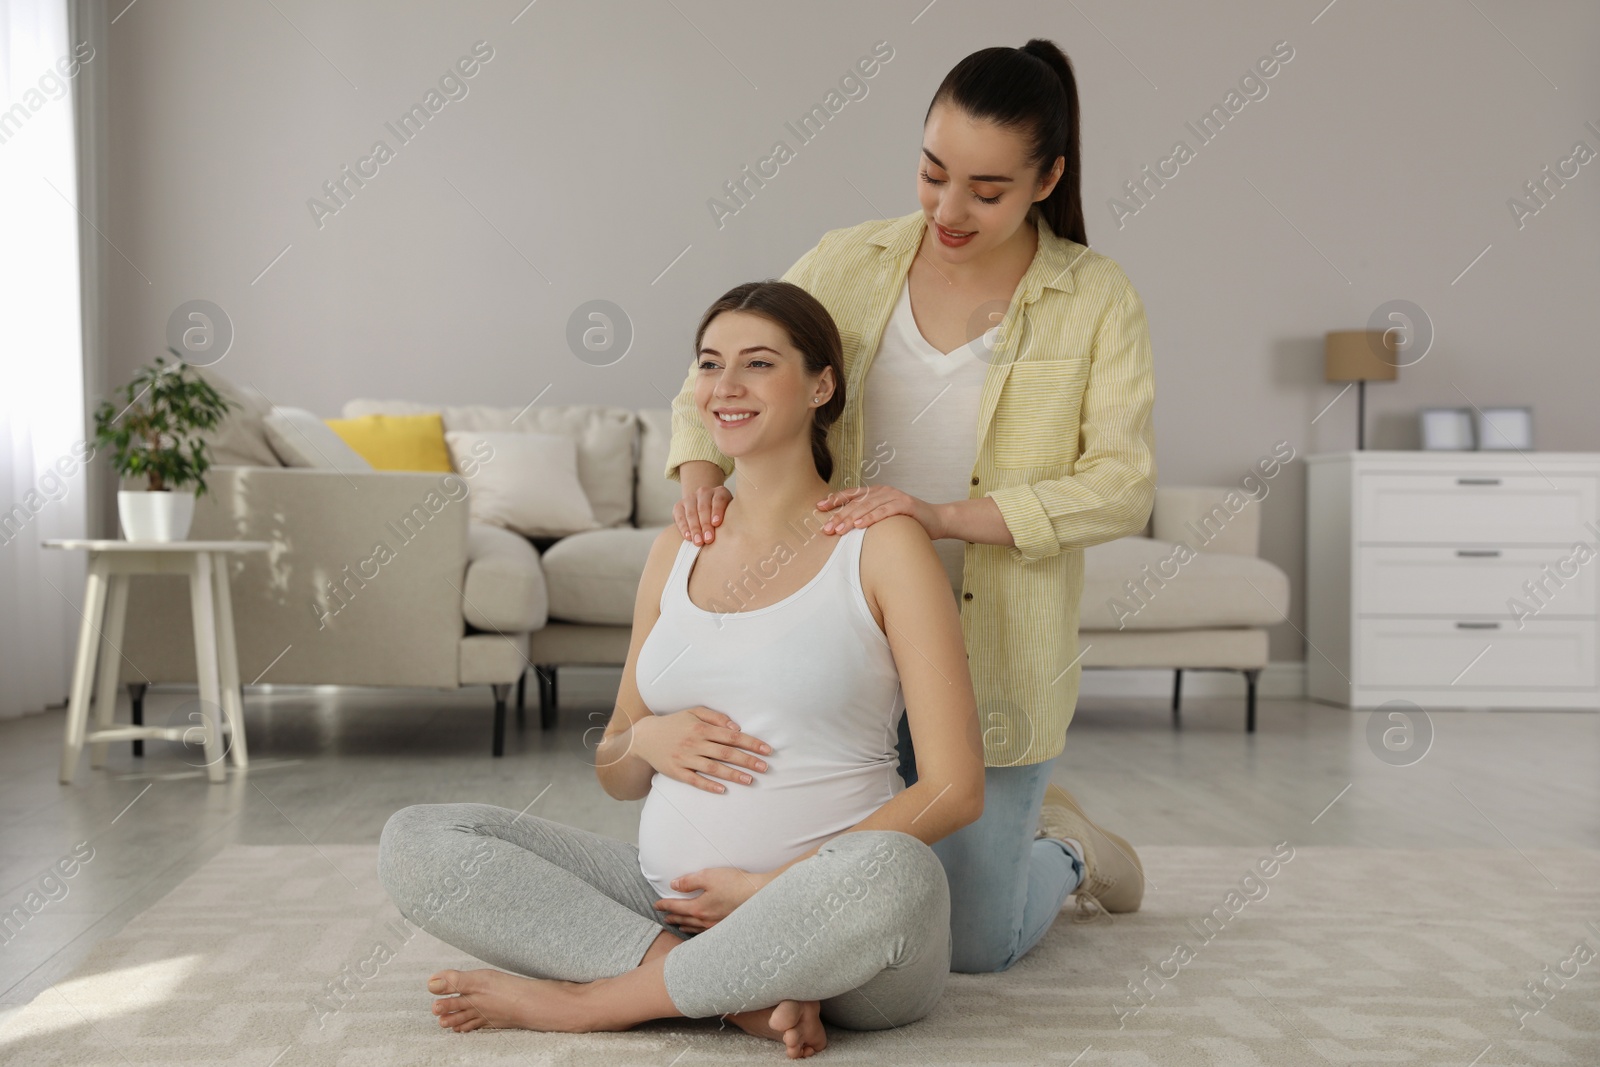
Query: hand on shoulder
<point>900,531</point>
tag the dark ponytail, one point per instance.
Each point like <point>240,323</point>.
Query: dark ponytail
<point>1030,90</point>
<point>811,330</point>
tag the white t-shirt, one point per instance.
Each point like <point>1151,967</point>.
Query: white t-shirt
<point>811,675</point>
<point>920,419</point>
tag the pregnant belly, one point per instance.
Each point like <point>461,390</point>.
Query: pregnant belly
<point>755,827</point>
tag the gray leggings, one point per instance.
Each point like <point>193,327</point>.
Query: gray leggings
<point>863,926</point>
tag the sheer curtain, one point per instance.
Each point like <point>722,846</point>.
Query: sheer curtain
<point>43,483</point>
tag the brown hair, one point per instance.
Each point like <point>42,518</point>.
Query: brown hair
<point>811,330</point>
<point>1032,91</point>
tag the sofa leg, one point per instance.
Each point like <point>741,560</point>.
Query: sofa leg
<point>136,698</point>
<point>501,692</point>
<point>1250,677</point>
<point>1177,688</point>
<point>522,697</point>
<point>547,695</point>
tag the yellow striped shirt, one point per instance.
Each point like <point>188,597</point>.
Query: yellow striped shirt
<point>1065,447</point>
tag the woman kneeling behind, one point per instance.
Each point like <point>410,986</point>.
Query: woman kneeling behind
<point>783,877</point>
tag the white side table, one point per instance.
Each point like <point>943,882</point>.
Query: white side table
<point>105,606</point>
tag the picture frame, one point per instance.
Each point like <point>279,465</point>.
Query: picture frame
<point>1447,429</point>
<point>1505,429</point>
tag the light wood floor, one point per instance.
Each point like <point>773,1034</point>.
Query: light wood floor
<point>331,766</point>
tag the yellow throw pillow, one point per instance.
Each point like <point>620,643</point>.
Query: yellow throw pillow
<point>397,442</point>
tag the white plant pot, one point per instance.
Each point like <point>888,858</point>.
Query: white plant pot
<point>155,516</point>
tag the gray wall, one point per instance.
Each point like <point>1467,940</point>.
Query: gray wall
<point>578,166</point>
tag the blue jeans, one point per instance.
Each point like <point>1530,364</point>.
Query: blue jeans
<point>1006,887</point>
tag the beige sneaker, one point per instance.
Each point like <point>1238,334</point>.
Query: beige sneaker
<point>1112,874</point>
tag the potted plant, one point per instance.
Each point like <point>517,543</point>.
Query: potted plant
<point>154,436</point>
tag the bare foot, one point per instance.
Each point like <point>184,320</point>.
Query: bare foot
<point>797,1023</point>
<point>500,1000</point>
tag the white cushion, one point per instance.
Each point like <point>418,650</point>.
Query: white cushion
<point>525,482</point>
<point>594,577</point>
<point>240,438</point>
<point>301,439</point>
<point>505,588</point>
<point>1213,589</point>
<point>607,440</point>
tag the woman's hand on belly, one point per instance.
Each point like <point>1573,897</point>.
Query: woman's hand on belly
<point>724,889</point>
<point>697,745</point>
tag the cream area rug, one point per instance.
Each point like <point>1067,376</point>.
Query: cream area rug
<point>289,956</point>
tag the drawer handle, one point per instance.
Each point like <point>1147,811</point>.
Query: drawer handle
<point>1477,626</point>
<point>1490,552</point>
<point>1477,481</point>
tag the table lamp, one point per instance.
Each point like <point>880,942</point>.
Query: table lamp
<point>1361,356</point>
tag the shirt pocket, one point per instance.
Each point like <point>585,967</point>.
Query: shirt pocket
<point>1036,419</point>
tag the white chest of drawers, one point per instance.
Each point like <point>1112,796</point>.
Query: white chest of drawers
<point>1453,579</point>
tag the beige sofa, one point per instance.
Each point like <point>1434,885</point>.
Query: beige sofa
<point>464,603</point>
<point>452,608</point>
<point>1209,613</point>
<point>1148,605</point>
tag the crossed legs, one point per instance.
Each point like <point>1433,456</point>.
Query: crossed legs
<point>862,929</point>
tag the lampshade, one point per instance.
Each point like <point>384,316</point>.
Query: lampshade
<point>1361,356</point>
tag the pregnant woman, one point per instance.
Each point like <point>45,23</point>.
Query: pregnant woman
<point>783,875</point>
<point>1001,389</point>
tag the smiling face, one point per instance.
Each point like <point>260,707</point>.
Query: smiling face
<point>748,366</point>
<point>973,178</point>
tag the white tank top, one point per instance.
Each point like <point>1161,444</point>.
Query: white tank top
<point>920,419</point>
<point>811,675</point>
